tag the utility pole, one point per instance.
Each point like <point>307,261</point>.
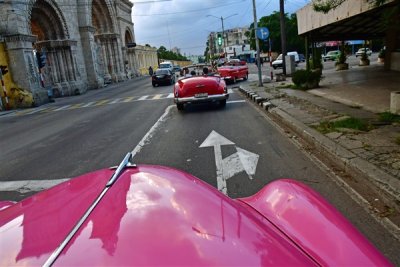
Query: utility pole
<point>223,29</point>
<point>257,45</point>
<point>223,32</point>
<point>283,34</point>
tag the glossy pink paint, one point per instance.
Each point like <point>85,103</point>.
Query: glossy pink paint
<point>151,216</point>
<point>32,229</point>
<point>156,215</point>
<point>316,226</point>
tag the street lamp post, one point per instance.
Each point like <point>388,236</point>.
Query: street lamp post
<point>222,22</point>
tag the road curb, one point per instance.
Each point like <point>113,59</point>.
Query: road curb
<point>345,158</point>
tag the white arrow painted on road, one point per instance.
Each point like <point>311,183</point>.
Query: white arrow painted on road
<point>242,160</point>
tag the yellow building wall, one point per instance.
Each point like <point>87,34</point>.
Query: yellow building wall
<point>17,97</point>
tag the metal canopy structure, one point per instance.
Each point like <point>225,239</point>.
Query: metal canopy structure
<point>364,26</point>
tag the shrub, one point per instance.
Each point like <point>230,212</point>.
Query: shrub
<point>306,79</point>
<point>318,61</point>
<point>382,53</point>
<point>341,58</point>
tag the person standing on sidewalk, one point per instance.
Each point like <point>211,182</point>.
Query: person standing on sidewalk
<point>150,71</point>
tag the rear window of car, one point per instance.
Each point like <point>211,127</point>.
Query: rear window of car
<point>165,66</point>
<point>162,71</point>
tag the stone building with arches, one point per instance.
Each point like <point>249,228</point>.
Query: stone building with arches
<point>84,44</point>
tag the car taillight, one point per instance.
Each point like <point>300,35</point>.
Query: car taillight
<point>153,77</point>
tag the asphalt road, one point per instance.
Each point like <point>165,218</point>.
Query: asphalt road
<point>79,134</point>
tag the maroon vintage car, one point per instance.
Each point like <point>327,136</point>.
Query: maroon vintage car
<point>144,215</point>
<point>199,89</point>
<point>234,70</point>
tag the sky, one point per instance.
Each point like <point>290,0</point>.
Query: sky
<point>184,23</point>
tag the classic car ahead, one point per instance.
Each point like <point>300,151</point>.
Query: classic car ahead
<point>200,89</point>
<point>234,70</point>
<point>162,76</point>
<point>148,215</point>
<point>331,55</point>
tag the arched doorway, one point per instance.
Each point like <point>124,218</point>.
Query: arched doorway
<point>130,62</point>
<point>107,40</point>
<point>54,49</point>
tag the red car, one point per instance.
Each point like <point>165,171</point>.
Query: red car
<point>234,70</point>
<point>200,89</point>
<point>152,215</point>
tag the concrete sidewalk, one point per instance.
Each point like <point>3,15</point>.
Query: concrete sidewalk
<point>372,157</point>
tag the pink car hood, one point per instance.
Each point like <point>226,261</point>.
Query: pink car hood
<point>151,216</point>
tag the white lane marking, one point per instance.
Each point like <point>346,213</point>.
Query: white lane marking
<point>35,111</point>
<point>29,185</point>
<point>115,101</point>
<point>146,139</point>
<point>64,107</point>
<point>216,140</point>
<point>143,97</point>
<point>242,160</point>
<point>235,101</point>
<point>88,104</point>
<point>171,95</point>
<point>230,91</point>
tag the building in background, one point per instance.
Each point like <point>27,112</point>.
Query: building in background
<point>68,46</point>
<point>236,43</point>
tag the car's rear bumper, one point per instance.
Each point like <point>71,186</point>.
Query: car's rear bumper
<point>209,98</point>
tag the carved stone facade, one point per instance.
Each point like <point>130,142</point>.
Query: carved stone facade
<point>85,43</point>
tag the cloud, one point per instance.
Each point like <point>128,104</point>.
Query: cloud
<point>184,23</point>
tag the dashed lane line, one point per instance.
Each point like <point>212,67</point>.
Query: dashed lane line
<point>97,103</point>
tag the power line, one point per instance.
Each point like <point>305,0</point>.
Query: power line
<point>188,11</point>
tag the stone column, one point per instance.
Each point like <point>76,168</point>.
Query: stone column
<point>87,39</point>
<point>23,66</point>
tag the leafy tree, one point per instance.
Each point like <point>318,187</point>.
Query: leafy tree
<point>327,5</point>
<point>166,54</point>
<point>293,43</point>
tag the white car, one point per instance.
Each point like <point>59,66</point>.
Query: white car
<point>167,65</point>
<point>361,51</point>
<point>278,62</point>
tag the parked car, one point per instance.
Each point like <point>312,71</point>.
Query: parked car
<point>302,58</point>
<point>361,51</point>
<point>331,55</point>
<point>177,68</point>
<point>162,76</point>
<point>200,89</point>
<point>167,65</point>
<point>233,70</point>
<point>278,62</point>
<point>148,215</point>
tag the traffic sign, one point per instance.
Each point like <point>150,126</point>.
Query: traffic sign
<point>262,33</point>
